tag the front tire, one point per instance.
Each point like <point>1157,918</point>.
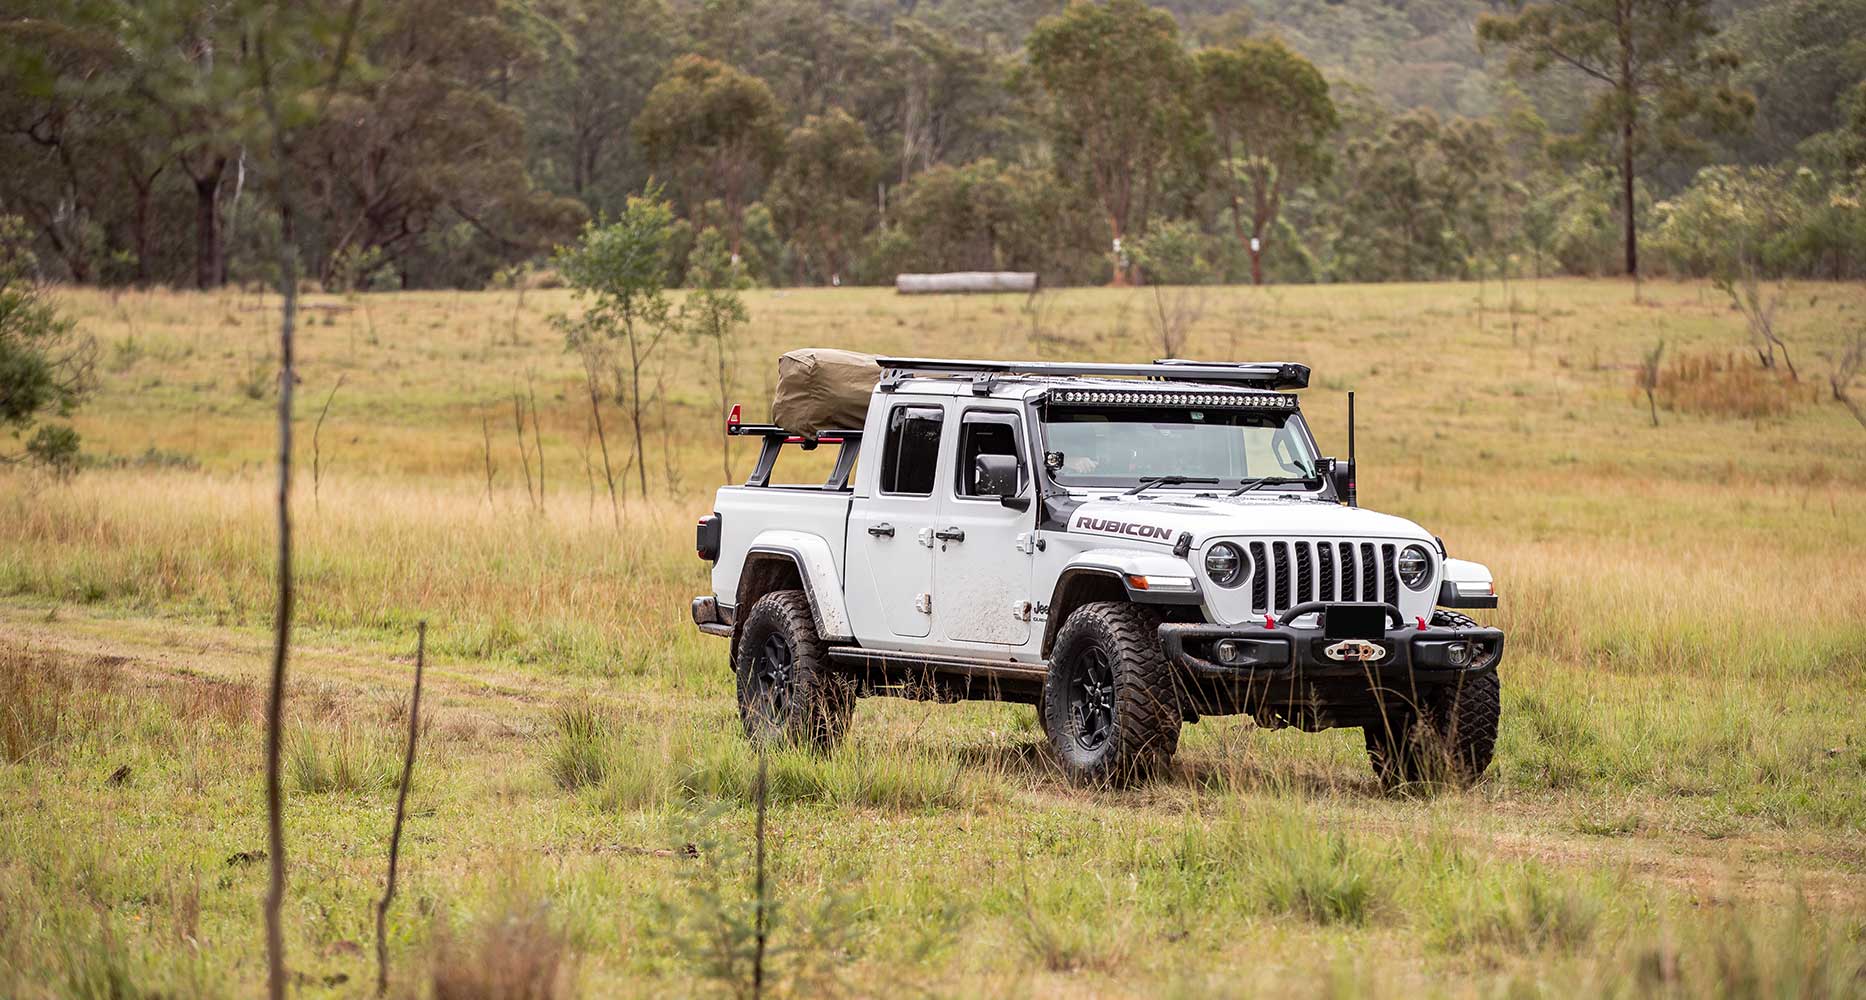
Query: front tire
<point>1110,707</point>
<point>1451,737</point>
<point>786,690</point>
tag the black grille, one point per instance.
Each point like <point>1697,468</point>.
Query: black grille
<point>1287,573</point>
<point>1260,578</point>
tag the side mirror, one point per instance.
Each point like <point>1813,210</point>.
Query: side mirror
<point>1341,476</point>
<point>997,476</point>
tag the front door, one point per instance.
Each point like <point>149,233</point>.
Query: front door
<point>890,542</point>
<point>981,589</point>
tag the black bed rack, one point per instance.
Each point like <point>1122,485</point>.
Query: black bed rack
<point>1250,374</point>
<point>775,438</point>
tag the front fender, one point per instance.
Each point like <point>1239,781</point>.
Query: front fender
<point>1467,585</point>
<point>816,567</point>
<point>1154,568</point>
<point>1105,574</point>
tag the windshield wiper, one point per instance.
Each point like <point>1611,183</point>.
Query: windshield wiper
<point>1251,484</point>
<point>1152,481</point>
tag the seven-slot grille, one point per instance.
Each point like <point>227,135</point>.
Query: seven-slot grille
<point>1287,573</point>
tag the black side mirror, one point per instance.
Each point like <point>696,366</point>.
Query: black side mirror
<point>1341,476</point>
<point>998,476</point>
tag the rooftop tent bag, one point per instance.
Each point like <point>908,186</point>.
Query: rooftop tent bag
<point>821,389</point>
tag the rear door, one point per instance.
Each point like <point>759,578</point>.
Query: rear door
<point>891,545</point>
<point>981,588</point>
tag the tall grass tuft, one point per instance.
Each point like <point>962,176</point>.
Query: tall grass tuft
<point>33,695</point>
<point>1296,869</point>
<point>579,753</point>
<point>1743,953</point>
<point>515,954</point>
<point>343,760</point>
<point>1523,910</point>
<point>40,701</point>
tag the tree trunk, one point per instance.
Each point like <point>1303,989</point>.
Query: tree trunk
<point>1629,112</point>
<point>1120,278</point>
<point>634,406</point>
<point>1626,196</point>
<point>207,226</point>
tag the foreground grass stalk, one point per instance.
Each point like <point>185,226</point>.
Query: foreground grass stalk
<point>282,613</point>
<point>762,918</point>
<point>401,810</point>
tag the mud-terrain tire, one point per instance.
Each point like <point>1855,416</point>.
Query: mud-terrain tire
<point>1451,737</point>
<point>787,691</point>
<point>1111,709</point>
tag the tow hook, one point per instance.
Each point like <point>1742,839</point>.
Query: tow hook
<point>1356,651</point>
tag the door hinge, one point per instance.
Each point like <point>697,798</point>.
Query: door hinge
<point>923,603</point>
<point>1020,610</point>
<point>1025,543</point>
<point>925,536</point>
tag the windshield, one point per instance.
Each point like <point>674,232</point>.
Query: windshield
<point>1125,446</point>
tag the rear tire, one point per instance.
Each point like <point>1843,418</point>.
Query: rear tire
<point>1109,704</point>
<point>786,690</point>
<point>1453,735</point>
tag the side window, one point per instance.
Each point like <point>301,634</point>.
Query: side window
<point>910,459</point>
<point>985,433</point>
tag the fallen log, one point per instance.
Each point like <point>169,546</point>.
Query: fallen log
<point>966,282</point>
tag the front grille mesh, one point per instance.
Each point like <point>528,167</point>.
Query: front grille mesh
<point>1285,574</point>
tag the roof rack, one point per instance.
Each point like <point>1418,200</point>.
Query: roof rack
<point>1255,375</point>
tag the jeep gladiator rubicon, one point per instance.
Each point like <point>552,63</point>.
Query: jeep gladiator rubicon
<point>1127,547</point>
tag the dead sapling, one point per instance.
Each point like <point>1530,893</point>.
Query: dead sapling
<point>524,457</point>
<point>537,439</point>
<point>1846,369</point>
<point>485,427</point>
<point>317,453</point>
<point>401,811</point>
<point>1649,378</point>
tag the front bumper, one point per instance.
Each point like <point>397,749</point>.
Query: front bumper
<point>1247,654</point>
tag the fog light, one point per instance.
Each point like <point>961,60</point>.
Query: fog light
<point>1458,654</point>
<point>1230,652</point>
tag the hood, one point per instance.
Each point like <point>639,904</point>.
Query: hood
<point>1162,516</point>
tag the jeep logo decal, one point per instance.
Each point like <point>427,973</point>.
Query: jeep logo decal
<point>1133,529</point>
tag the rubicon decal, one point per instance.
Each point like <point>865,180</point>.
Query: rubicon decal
<point>1133,529</point>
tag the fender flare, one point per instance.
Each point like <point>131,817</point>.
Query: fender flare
<point>816,567</point>
<point>1118,565</point>
<point>1466,584</point>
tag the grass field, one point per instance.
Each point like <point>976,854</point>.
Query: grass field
<point>1678,804</point>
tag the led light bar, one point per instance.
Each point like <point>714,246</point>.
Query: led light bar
<point>1144,397</point>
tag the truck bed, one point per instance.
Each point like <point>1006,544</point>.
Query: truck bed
<point>747,511</point>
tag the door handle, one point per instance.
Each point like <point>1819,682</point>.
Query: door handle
<point>882,530</point>
<point>950,534</point>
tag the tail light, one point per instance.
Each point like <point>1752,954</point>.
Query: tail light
<point>706,537</point>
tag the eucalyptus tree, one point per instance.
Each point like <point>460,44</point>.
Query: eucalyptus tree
<point>1271,118</point>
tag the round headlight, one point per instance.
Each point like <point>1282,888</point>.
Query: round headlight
<point>1224,563</point>
<point>1415,567</point>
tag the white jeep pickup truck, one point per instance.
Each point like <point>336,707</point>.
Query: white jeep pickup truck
<point>1127,547</point>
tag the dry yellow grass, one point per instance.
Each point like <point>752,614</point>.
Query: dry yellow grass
<point>1684,689</point>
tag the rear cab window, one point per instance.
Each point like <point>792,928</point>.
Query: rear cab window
<point>910,454</point>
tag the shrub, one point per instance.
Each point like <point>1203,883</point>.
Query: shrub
<point>1721,386</point>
